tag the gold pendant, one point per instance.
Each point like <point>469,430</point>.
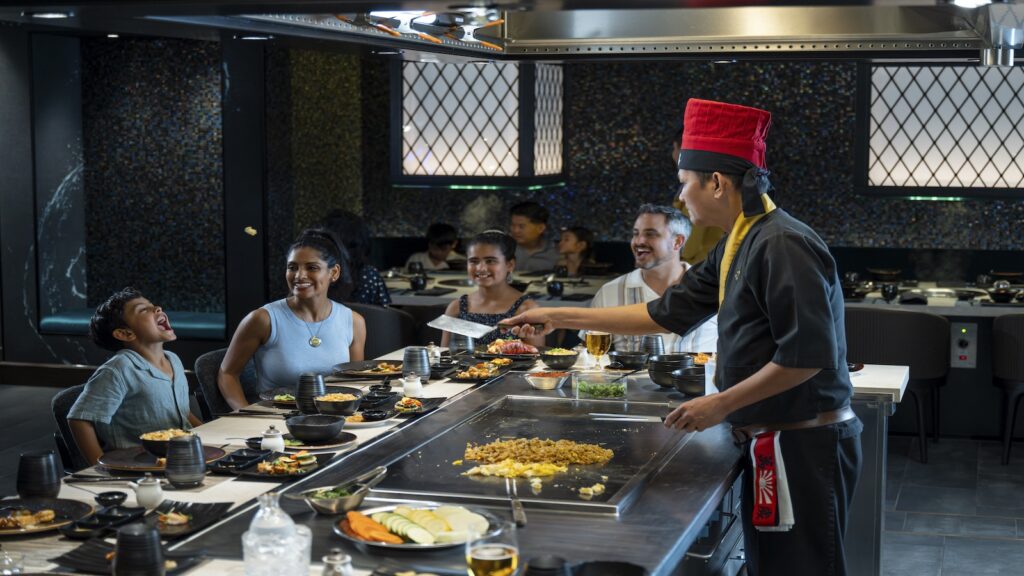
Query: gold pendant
<point>314,341</point>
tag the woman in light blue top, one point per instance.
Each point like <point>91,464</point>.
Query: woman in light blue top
<point>305,332</point>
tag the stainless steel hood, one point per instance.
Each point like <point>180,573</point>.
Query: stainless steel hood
<point>605,29</point>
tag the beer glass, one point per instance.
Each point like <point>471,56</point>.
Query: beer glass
<point>495,553</point>
<point>598,344</point>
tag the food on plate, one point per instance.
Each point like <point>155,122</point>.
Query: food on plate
<point>536,450</point>
<point>384,367</point>
<point>294,464</point>
<point>509,468</point>
<point>284,398</point>
<point>478,371</point>
<point>559,352</point>
<point>337,397</point>
<point>408,405</point>
<point>595,390</point>
<point>701,359</point>
<point>162,435</point>
<point>536,485</point>
<point>174,518</point>
<point>292,442</point>
<point>25,518</point>
<point>328,493</point>
<point>588,492</point>
<point>499,362</point>
<point>355,419</point>
<point>425,526</point>
<point>510,346</point>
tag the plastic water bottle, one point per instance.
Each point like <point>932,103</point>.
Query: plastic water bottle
<point>274,545</point>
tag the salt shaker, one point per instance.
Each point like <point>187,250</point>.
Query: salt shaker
<point>272,440</point>
<point>412,387</point>
<point>433,353</point>
<point>337,563</point>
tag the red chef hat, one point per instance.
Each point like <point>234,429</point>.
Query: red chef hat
<point>721,137</point>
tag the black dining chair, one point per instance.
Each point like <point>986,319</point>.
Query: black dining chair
<point>387,329</point>
<point>208,395</point>
<point>71,457</point>
<point>904,338</point>
<point>1008,370</point>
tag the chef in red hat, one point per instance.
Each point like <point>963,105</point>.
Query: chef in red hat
<point>781,367</point>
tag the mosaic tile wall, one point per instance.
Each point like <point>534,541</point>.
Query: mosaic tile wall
<point>620,121</point>
<point>151,125</point>
<point>314,152</point>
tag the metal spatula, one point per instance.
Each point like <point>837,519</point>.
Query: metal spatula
<point>467,328</point>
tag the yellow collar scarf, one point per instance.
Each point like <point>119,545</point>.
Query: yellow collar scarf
<point>732,244</point>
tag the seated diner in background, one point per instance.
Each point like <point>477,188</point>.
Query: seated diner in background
<point>366,287</point>
<point>305,332</point>
<point>575,250</point>
<point>140,389</point>
<point>491,259</point>
<point>659,234</point>
<point>441,240</point>
<point>528,221</point>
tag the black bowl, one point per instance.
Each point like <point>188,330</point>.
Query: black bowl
<point>629,360</point>
<point>111,498</point>
<point>1002,296</point>
<point>559,361</point>
<point>689,381</point>
<point>662,378</point>
<point>669,362</point>
<point>254,442</point>
<point>340,408</point>
<point>157,448</point>
<point>315,427</point>
<point>375,415</point>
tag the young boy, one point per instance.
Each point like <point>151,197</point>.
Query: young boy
<point>142,388</point>
<point>527,223</point>
<point>441,239</point>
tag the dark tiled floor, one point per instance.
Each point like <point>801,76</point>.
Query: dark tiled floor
<point>960,514</point>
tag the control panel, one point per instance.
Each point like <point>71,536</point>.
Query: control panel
<point>963,345</point>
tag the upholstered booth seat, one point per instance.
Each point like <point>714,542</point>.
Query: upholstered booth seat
<point>191,325</point>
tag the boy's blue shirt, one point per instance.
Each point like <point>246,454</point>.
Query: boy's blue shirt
<point>127,397</point>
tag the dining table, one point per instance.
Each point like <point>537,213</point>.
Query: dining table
<point>443,286</point>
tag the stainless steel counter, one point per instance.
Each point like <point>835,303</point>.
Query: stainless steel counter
<point>665,517</point>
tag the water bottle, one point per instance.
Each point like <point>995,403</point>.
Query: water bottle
<point>274,545</point>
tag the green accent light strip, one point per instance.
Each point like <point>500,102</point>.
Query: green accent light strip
<point>935,198</point>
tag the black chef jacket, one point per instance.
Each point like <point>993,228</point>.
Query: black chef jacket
<point>782,304</point>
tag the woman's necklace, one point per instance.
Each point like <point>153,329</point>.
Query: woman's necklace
<point>314,338</point>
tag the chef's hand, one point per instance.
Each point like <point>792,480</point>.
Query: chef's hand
<point>529,323</point>
<point>697,414</point>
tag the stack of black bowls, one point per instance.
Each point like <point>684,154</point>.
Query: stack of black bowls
<point>661,366</point>
<point>689,381</point>
<point>311,386</point>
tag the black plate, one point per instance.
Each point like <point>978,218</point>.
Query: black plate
<point>372,401</point>
<point>428,405</point>
<point>91,558</point>
<point>501,372</point>
<point>358,369</point>
<point>339,441</point>
<point>513,357</point>
<point>100,523</point>
<point>268,395</point>
<point>251,472</point>
<point>202,516</point>
<point>239,460</point>
<point>854,366</point>
<point>65,512</point>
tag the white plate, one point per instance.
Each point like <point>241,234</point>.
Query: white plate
<point>492,520</point>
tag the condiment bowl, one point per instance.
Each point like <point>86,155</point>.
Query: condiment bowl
<point>111,498</point>
<point>357,488</point>
<point>547,380</point>
<point>689,381</point>
<point>315,427</point>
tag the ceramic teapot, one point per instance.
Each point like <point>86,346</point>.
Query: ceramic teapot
<point>149,492</point>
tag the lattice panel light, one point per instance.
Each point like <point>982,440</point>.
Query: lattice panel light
<point>460,120</point>
<point>547,144</point>
<point>948,126</point>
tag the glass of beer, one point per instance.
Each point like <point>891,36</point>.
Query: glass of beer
<point>598,344</point>
<point>495,553</point>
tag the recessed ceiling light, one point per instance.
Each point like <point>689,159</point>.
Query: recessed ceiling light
<point>723,61</point>
<point>48,15</point>
<point>971,3</point>
<point>113,35</point>
<point>387,52</point>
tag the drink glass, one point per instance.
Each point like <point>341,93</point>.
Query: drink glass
<point>495,553</point>
<point>598,344</point>
<point>890,291</point>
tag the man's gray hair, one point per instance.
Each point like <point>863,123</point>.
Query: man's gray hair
<point>677,223</point>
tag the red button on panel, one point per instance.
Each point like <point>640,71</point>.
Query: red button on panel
<point>962,357</point>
